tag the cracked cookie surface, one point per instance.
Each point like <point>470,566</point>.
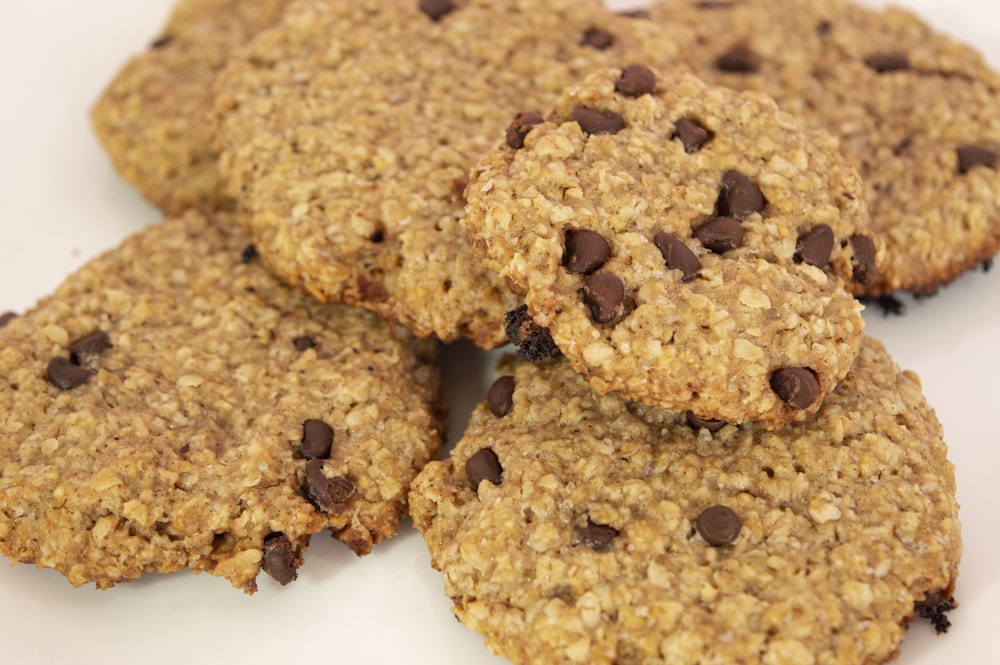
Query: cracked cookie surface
<point>687,246</point>
<point>578,528</point>
<point>916,112</point>
<point>173,405</point>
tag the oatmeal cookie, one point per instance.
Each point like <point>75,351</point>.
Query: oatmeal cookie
<point>578,528</point>
<point>916,112</point>
<point>349,128</point>
<point>173,406</point>
<point>687,246</point>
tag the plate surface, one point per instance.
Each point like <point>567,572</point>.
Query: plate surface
<point>62,204</point>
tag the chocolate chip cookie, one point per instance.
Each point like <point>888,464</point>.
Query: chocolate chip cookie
<point>173,406</point>
<point>153,118</point>
<point>578,528</point>
<point>687,246</point>
<point>916,112</point>
<point>349,128</point>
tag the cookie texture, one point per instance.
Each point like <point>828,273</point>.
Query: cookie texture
<point>172,405</point>
<point>687,246</point>
<point>348,131</point>
<point>579,528</point>
<point>153,117</point>
<point>916,112</point>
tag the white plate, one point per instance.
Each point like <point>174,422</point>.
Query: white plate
<point>61,204</point>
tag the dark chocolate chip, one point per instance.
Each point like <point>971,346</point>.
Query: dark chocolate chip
<point>483,465</point>
<point>304,342</point>
<point>279,559</point>
<point>636,80</point>
<point>970,156</point>
<point>317,439</point>
<point>585,252</point>
<point>815,246</point>
<point>65,375</point>
<point>864,259</point>
<point>697,423</point>
<point>739,196</point>
<point>604,294</point>
<point>738,60</point>
<point>636,13</point>
<point>597,537</point>
<point>248,254</point>
<point>714,4</point>
<point>437,9</point>
<point>533,342</point>
<point>718,525</point>
<point>323,492</point>
<point>6,318</point>
<point>797,387</point>
<point>677,255</point>
<point>162,42</point>
<point>888,62</point>
<point>87,349</point>
<point>501,396</point>
<point>596,122</point>
<point>597,38</point>
<point>720,234</point>
<point>691,135</point>
<point>519,128</point>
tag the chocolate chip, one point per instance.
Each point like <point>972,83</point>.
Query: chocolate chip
<point>65,375</point>
<point>483,465</point>
<point>87,349</point>
<point>970,156</point>
<point>935,607</point>
<point>304,342</point>
<point>533,342</point>
<point>714,4</point>
<point>888,62</point>
<point>720,234</point>
<point>437,9</point>
<point>501,396</point>
<point>691,134</point>
<point>864,259</point>
<point>677,255</point>
<point>642,14</point>
<point>597,537</point>
<point>739,196</point>
<point>325,492</point>
<point>317,439</point>
<point>585,252</point>
<point>696,423</point>
<point>597,38</point>
<point>519,128</point>
<point>636,80</point>
<point>738,60</point>
<point>248,254</point>
<point>596,122</point>
<point>797,387</point>
<point>815,246</point>
<point>6,318</point>
<point>718,525</point>
<point>279,558</point>
<point>604,294</point>
<point>458,186</point>
<point>162,42</point>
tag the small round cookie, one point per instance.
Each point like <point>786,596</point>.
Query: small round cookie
<point>173,406</point>
<point>350,158</point>
<point>917,113</point>
<point>578,528</point>
<point>685,245</point>
<point>153,118</point>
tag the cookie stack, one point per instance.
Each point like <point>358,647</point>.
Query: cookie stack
<point>698,456</point>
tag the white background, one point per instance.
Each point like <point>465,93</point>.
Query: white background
<point>61,204</point>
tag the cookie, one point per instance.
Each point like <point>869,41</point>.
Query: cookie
<point>686,246</point>
<point>153,117</point>
<point>916,112</point>
<point>578,528</point>
<point>174,406</point>
<point>348,131</point>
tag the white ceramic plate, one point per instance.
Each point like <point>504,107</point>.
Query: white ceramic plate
<point>61,204</point>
